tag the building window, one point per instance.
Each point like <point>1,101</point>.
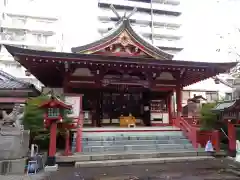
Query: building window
<point>11,66</point>
<point>212,96</point>
<point>41,38</point>
<point>13,36</point>
<point>228,96</point>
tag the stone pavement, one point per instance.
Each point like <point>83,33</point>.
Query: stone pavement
<point>211,169</point>
<point>39,176</point>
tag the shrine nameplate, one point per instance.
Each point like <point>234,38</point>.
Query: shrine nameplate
<point>74,101</point>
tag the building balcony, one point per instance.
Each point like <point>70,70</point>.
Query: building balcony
<point>106,16</point>
<point>106,25</point>
<point>28,42</point>
<point>167,7</point>
<point>15,11</point>
<point>145,5</point>
<point>165,19</point>
<point>32,27</point>
<point>169,2</point>
<point>167,32</point>
<point>168,43</point>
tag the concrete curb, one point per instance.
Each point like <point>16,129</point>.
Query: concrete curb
<point>126,156</point>
<point>139,161</point>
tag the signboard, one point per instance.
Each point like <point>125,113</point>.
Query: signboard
<point>75,102</point>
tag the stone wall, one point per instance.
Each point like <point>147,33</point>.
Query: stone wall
<point>14,144</point>
<point>16,166</point>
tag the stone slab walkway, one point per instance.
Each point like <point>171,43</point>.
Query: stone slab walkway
<point>40,176</point>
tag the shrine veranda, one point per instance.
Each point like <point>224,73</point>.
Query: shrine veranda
<point>118,75</point>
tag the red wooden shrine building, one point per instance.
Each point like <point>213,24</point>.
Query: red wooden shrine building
<point>229,114</point>
<point>119,74</point>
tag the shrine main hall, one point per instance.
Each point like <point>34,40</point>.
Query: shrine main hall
<point>117,76</point>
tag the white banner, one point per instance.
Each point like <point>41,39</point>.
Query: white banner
<point>74,101</point>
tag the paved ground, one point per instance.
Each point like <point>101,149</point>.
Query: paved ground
<point>198,170</point>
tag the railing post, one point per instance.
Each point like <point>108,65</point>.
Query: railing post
<point>216,137</point>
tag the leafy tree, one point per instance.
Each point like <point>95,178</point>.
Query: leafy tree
<point>33,115</point>
<point>208,118</point>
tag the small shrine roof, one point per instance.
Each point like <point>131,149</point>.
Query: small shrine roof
<point>123,26</point>
<point>58,103</point>
<point>8,81</point>
<point>196,99</point>
<point>224,105</point>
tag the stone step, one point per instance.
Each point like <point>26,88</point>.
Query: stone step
<point>131,134</point>
<point>134,142</point>
<point>124,138</point>
<point>126,162</point>
<point>82,157</point>
<point>149,147</point>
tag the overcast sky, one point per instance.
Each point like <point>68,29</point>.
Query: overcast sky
<point>203,22</point>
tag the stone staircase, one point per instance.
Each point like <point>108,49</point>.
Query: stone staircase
<point>173,141</point>
<point>128,148</point>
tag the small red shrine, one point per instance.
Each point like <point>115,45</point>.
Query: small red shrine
<point>230,114</point>
<point>54,112</point>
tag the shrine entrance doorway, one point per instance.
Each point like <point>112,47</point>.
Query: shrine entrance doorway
<point>103,107</point>
<point>115,104</point>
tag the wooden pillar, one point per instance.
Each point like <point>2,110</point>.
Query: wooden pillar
<point>179,100</point>
<point>97,116</point>
<point>231,137</point>
<point>80,128</point>
<point>52,145</point>
<point>169,106</point>
<point>67,151</point>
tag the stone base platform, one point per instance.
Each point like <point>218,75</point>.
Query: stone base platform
<point>127,162</point>
<point>79,157</point>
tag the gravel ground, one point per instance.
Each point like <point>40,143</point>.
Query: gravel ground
<point>198,170</point>
<point>216,169</point>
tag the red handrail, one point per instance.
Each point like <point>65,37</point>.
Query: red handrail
<point>191,131</point>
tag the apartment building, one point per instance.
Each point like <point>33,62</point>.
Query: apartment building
<point>158,21</point>
<point>25,27</point>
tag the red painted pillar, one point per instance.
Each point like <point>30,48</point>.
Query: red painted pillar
<point>232,137</point>
<point>67,151</point>
<point>169,105</point>
<point>179,105</point>
<point>79,129</point>
<point>52,143</point>
<point>216,138</point>
<point>179,100</point>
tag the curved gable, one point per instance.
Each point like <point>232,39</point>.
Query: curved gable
<point>123,41</point>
